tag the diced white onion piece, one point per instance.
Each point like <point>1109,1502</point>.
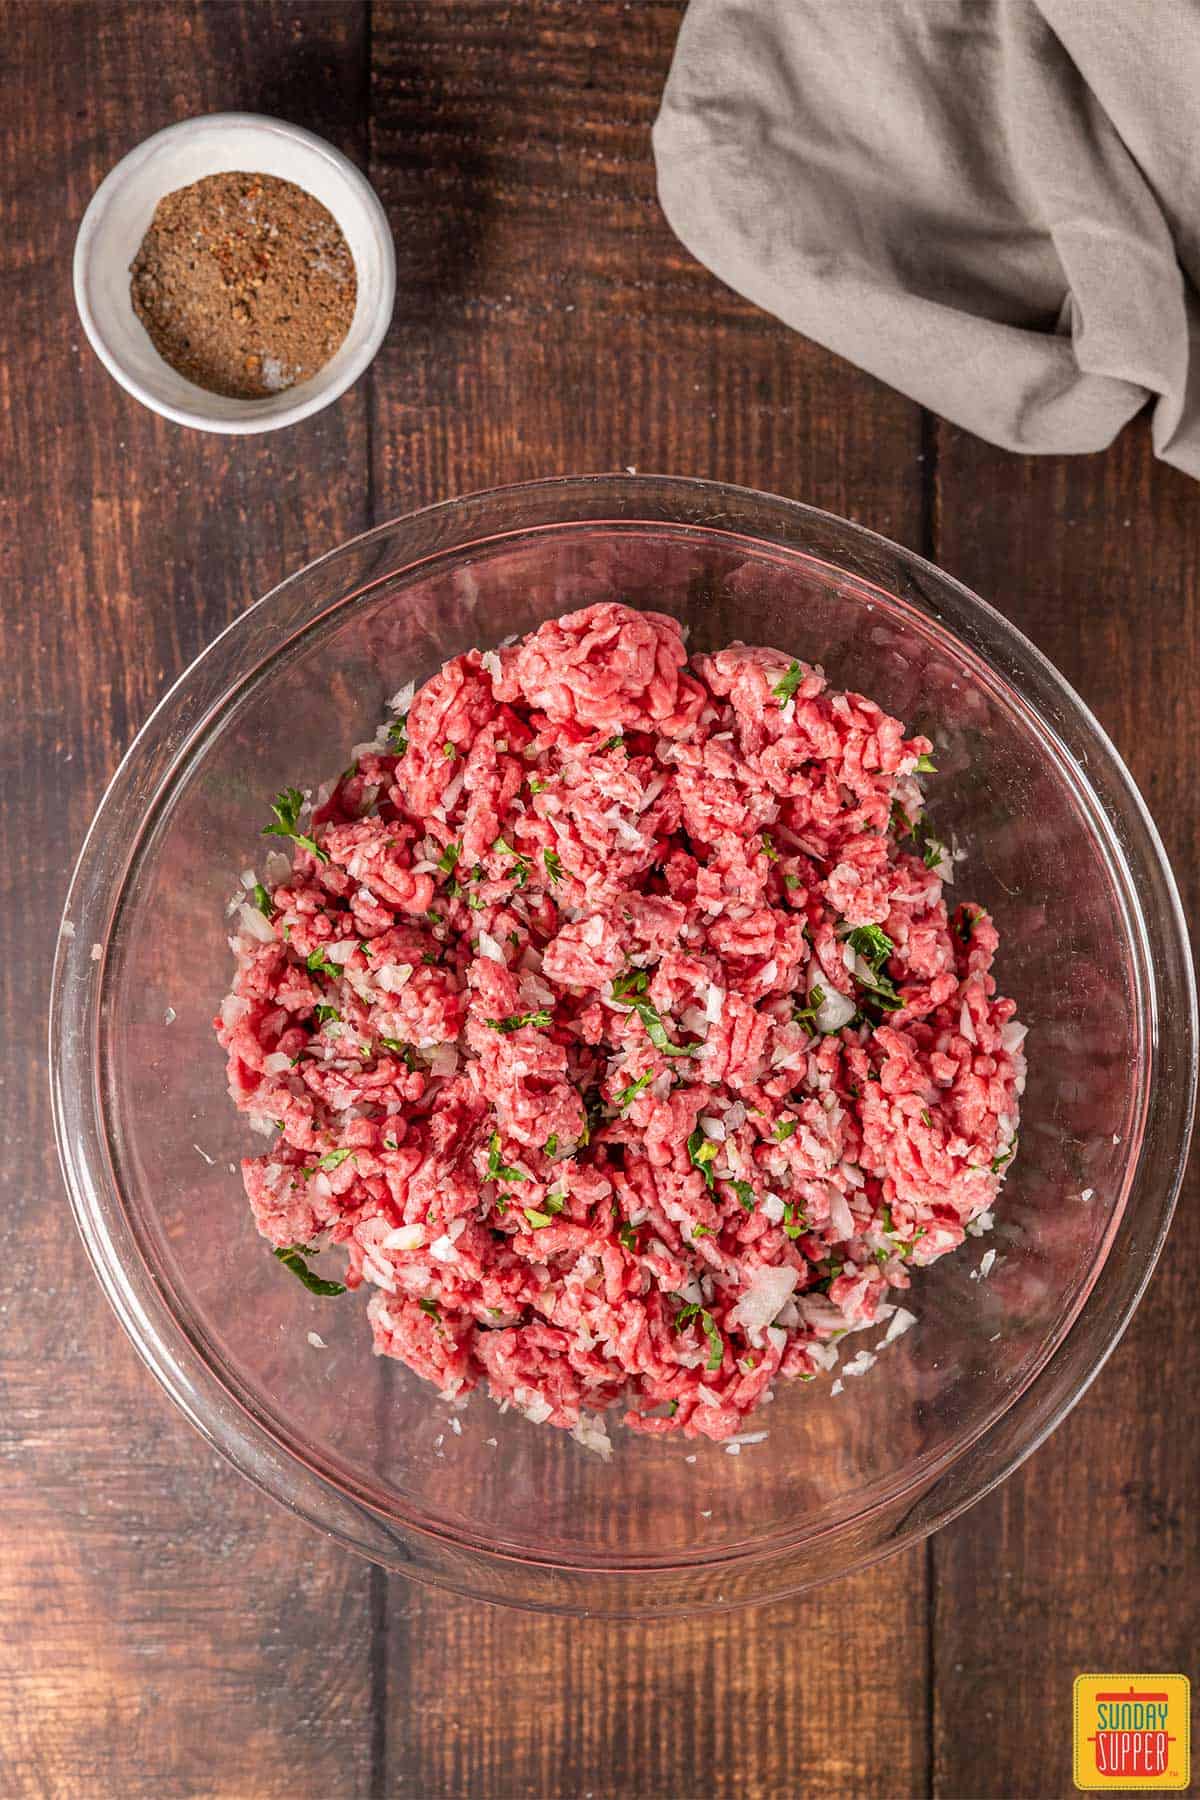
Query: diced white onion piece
<point>901,1321</point>
<point>713,1128</point>
<point>255,925</point>
<point>489,947</point>
<point>394,977</point>
<point>966,1024</point>
<point>770,1288</point>
<point>773,1208</point>
<point>841,1218</point>
<point>491,662</point>
<point>735,1118</point>
<point>405,1237</point>
<point>834,1011</point>
<point>277,1063</point>
<point>859,1364</point>
<point>1012,1036</point>
<point>985,1264</point>
<point>442,1249</point>
<point>402,699</point>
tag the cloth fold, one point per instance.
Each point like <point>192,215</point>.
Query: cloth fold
<point>989,204</point>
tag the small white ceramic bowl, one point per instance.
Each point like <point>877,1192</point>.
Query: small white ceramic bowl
<point>121,209</point>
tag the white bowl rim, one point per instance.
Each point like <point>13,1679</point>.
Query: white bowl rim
<point>91,228</point>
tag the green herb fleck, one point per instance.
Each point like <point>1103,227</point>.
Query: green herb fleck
<point>791,881</point>
<point>716,1350</point>
<point>925,765</point>
<point>656,1031</point>
<point>788,685</point>
<point>785,1129</point>
<point>449,751</point>
<point>628,1095</point>
<point>318,963</point>
<point>872,945</point>
<point>521,872</point>
<point>404,1051</point>
<point>634,981</point>
<point>429,1307</point>
<point>292,1259</point>
<point>448,860</point>
<point>628,1236</point>
<point>551,1144</point>
<point>323,1014</point>
<point>398,735</point>
<point>263,901</point>
<point>496,1169</point>
<point>807,1015</point>
<point>287,806</point>
<point>702,1153</point>
<point>536,784</point>
<point>553,864</point>
<point>768,848</point>
<point>793,1223</point>
<point>616,742</point>
<point>515,1021</point>
<point>745,1194</point>
<point>537,1220</point>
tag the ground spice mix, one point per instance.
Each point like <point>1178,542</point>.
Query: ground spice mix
<point>244,283</point>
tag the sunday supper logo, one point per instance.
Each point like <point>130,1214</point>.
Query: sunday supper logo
<point>1132,1732</point>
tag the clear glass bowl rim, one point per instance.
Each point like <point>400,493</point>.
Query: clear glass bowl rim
<point>190,712</point>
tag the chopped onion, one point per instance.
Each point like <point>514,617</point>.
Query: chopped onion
<point>769,1290</point>
<point>402,699</point>
<point>735,1118</point>
<point>442,1249</point>
<point>394,978</point>
<point>405,1237</point>
<point>773,1209</point>
<point>860,1363</point>
<point>255,925</point>
<point>966,1024</point>
<point>841,1218</point>
<point>713,1128</point>
<point>489,947</point>
<point>901,1321</point>
<point>835,1010</point>
<point>491,662</point>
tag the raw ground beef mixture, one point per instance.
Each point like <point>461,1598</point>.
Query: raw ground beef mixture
<point>610,1015</point>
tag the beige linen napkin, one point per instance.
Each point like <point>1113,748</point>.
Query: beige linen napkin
<point>994,205</point>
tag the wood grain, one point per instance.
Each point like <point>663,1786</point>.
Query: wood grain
<point>1086,1559</point>
<point>163,1630</point>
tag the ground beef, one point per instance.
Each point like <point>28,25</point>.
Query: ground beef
<point>609,1013</point>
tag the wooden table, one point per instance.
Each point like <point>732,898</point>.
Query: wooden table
<point>164,1630</point>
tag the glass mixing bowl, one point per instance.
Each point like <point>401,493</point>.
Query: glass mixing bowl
<point>1060,848</point>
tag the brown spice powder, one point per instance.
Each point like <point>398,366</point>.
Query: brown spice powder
<point>244,283</point>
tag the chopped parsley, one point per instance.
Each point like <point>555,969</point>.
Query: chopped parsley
<point>628,1095</point>
<point>497,1170</point>
<point>656,1031</point>
<point>515,1021</point>
<point>872,945</point>
<point>785,1129</point>
<point>745,1194</point>
<point>448,860</point>
<point>398,734</point>
<point>323,1014</point>
<point>554,1203</point>
<point>786,688</point>
<point>536,784</point>
<point>292,1257</point>
<point>429,1307</point>
<point>404,1051</point>
<point>332,1159</point>
<point>634,981</point>
<point>553,864</point>
<point>617,742</point>
<point>716,1348</point>
<point>449,751</point>
<point>521,872</point>
<point>791,881</point>
<point>537,1220</point>
<point>263,901</point>
<point>768,848</point>
<point>551,1144</point>
<point>702,1153</point>
<point>317,963</point>
<point>476,902</point>
<point>807,1015</point>
<point>793,1224</point>
<point>287,807</point>
<point>926,766</point>
<point>628,1236</point>
<point>925,1119</point>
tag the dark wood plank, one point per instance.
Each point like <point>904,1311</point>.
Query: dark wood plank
<point>549,323</point>
<point>1086,1558</point>
<point>163,1629</point>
